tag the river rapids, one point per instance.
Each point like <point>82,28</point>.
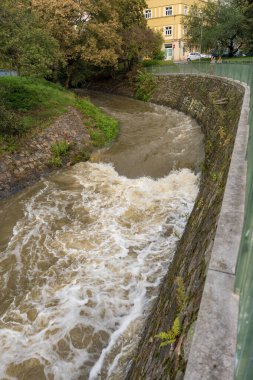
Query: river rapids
<point>82,255</point>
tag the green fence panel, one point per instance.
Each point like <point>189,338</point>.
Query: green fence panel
<point>244,269</point>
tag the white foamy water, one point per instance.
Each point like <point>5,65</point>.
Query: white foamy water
<point>82,268</point>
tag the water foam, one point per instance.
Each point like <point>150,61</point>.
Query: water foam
<point>82,269</point>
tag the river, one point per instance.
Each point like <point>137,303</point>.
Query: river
<point>84,250</point>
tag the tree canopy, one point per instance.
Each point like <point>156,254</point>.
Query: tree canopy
<point>220,26</point>
<point>25,44</point>
<point>41,37</point>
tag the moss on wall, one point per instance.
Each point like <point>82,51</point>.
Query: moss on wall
<point>216,104</point>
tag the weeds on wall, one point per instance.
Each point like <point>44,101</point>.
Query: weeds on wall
<point>170,336</point>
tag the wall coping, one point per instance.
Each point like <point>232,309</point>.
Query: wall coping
<point>212,354</point>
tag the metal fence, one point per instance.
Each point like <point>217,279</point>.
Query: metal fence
<point>5,73</point>
<point>244,270</point>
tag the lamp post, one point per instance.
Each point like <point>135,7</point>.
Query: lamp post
<point>201,32</point>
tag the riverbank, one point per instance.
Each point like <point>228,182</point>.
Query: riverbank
<point>32,160</point>
<point>43,128</point>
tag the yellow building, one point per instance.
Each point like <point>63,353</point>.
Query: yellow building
<point>166,16</point>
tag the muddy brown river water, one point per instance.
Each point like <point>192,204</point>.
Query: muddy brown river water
<point>83,251</point>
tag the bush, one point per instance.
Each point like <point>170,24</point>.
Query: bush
<point>145,86</point>
<point>159,55</point>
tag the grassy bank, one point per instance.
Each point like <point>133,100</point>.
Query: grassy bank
<point>28,105</point>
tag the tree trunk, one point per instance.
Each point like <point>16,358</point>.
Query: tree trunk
<point>69,75</point>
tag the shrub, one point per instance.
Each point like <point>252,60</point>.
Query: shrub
<point>145,86</point>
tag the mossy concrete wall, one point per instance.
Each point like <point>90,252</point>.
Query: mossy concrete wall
<point>215,103</point>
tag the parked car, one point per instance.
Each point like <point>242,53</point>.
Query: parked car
<point>193,56</point>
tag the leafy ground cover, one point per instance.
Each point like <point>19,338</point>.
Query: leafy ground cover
<point>29,104</point>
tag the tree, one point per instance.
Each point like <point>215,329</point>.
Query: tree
<point>217,26</point>
<point>246,7</point>
<point>87,31</point>
<point>96,35</point>
<point>138,41</point>
<point>25,46</point>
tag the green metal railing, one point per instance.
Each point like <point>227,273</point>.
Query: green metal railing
<point>244,269</point>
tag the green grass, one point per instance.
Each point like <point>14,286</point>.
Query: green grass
<point>102,128</point>
<point>36,103</point>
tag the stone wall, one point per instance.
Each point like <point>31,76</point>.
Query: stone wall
<point>31,160</point>
<point>216,105</point>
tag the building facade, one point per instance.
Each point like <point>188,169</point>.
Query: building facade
<point>166,16</point>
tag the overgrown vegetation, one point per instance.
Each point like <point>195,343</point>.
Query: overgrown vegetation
<point>59,150</point>
<point>145,86</point>
<point>26,104</point>
<point>29,104</point>
<point>73,41</point>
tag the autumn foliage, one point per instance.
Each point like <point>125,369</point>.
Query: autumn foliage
<point>75,38</point>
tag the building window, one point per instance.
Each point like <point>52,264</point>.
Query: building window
<point>168,11</point>
<point>148,13</point>
<point>168,30</point>
<point>185,10</point>
<point>185,30</point>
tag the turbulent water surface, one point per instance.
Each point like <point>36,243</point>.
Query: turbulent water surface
<point>83,252</point>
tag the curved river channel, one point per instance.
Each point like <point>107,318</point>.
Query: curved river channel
<point>83,251</point>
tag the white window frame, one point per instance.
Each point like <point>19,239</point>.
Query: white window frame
<point>168,10</point>
<point>148,13</point>
<point>185,10</point>
<point>168,30</point>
